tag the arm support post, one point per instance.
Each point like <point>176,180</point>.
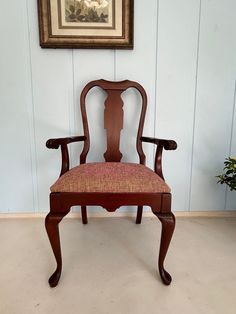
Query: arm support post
<point>63,142</point>
<point>161,143</point>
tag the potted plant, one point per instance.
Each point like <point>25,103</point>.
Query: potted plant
<point>229,175</point>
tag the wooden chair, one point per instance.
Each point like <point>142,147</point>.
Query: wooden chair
<point>111,184</point>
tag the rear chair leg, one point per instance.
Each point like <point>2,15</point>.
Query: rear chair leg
<point>84,215</point>
<point>51,223</point>
<point>139,215</point>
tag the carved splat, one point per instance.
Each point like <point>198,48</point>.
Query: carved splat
<point>113,123</point>
<point>113,118</point>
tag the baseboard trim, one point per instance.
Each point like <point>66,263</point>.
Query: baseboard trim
<point>105,214</point>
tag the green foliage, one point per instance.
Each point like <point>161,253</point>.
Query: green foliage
<point>229,175</point>
<point>72,9</point>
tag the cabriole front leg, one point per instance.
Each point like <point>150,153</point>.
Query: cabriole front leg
<point>51,223</point>
<point>168,226</point>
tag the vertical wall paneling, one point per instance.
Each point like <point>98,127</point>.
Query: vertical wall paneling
<point>214,102</point>
<point>31,115</point>
<point>53,98</point>
<point>16,185</point>
<point>231,195</point>
<point>184,56</point>
<point>176,78</point>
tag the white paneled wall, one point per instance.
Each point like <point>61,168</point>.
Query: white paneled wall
<point>176,83</point>
<point>214,101</point>
<point>185,57</point>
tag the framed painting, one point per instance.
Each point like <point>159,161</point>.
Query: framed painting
<point>86,23</point>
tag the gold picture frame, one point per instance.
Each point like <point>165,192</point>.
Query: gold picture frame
<point>86,23</point>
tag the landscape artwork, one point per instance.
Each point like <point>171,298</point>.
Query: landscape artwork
<point>87,11</point>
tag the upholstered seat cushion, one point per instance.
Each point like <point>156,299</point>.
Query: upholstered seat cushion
<point>110,177</point>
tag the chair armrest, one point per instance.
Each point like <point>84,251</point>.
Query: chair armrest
<point>56,142</point>
<point>63,142</point>
<point>167,144</point>
<point>161,143</point>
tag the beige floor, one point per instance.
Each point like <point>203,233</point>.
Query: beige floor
<point>110,267</point>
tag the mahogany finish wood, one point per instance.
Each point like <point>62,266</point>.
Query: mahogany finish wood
<point>84,215</point>
<point>63,142</point>
<point>113,126</point>
<point>139,215</point>
<point>160,203</point>
<point>161,143</point>
<point>168,226</point>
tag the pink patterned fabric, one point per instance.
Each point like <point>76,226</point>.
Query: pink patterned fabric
<point>113,177</point>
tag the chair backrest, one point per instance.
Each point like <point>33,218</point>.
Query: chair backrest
<point>113,118</point>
